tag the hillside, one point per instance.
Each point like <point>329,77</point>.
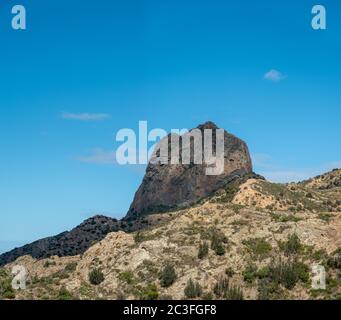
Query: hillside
<point>252,239</point>
<point>79,239</point>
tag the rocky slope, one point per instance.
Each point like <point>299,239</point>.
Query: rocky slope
<point>77,240</point>
<point>251,239</point>
<point>167,187</point>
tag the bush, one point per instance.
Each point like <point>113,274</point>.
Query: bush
<point>268,290</point>
<point>64,294</point>
<point>203,250</point>
<point>292,246</point>
<point>150,292</point>
<point>250,273</point>
<point>334,261</point>
<point>192,290</point>
<point>96,277</point>
<point>258,247</point>
<point>126,276</point>
<point>289,273</point>
<point>217,240</point>
<point>71,267</point>
<point>234,293</point>
<point>221,287</point>
<point>229,272</point>
<point>6,290</point>
<point>168,276</point>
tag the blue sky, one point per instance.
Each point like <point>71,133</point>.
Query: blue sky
<point>82,71</point>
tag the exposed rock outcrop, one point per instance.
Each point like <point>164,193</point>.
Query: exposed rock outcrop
<point>167,187</point>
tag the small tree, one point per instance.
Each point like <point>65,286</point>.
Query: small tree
<point>203,250</point>
<point>96,277</point>
<point>168,276</point>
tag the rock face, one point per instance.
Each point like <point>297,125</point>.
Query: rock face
<point>165,187</point>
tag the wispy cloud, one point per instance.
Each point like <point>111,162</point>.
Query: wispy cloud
<point>274,76</point>
<point>98,156</point>
<point>85,116</point>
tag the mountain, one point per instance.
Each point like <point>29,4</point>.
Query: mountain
<point>163,188</point>
<point>251,239</point>
<point>168,187</point>
<point>233,236</point>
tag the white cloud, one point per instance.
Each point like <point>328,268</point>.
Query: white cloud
<point>85,116</point>
<point>274,76</point>
<point>99,156</point>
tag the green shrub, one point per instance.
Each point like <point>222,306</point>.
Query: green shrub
<point>221,287</point>
<point>217,240</point>
<point>218,248</point>
<point>193,290</point>
<point>217,245</point>
<point>139,237</point>
<point>168,276</point>
<point>288,273</point>
<point>49,263</point>
<point>268,290</point>
<point>250,273</point>
<point>334,261</point>
<point>292,246</point>
<point>126,276</point>
<point>64,294</point>
<point>258,247</point>
<point>203,250</point>
<point>96,277</point>
<point>234,293</point>
<point>150,292</point>
<point>229,272</point>
<point>6,290</point>
<point>71,267</point>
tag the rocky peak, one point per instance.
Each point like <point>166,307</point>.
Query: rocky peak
<point>171,186</point>
<point>208,125</point>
